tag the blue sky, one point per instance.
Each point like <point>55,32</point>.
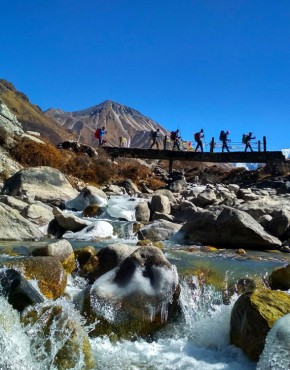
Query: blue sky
<point>212,64</point>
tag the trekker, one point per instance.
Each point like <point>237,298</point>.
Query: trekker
<point>224,138</point>
<point>247,140</point>
<point>101,136</point>
<point>198,136</point>
<point>155,135</point>
<point>174,136</point>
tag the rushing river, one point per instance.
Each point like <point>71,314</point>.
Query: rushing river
<point>200,340</point>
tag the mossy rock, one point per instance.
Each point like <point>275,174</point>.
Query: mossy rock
<point>62,337</point>
<point>280,278</point>
<point>253,315</point>
<point>48,271</point>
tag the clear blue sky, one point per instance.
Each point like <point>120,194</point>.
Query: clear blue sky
<point>212,64</point>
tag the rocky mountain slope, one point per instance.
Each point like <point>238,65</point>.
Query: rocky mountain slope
<point>31,116</point>
<point>119,120</point>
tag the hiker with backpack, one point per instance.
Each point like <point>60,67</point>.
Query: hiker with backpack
<point>99,135</point>
<point>198,136</point>
<point>224,139</point>
<point>174,136</point>
<point>155,135</point>
<point>246,140</point>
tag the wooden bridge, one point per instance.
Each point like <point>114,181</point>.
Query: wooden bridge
<point>180,155</point>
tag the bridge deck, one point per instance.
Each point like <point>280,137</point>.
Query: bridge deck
<point>178,155</point>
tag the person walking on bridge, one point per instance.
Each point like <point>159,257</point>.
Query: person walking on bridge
<point>155,135</point>
<point>247,140</point>
<point>198,136</point>
<point>224,138</point>
<point>175,137</point>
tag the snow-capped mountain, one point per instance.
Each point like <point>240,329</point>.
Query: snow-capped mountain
<point>286,152</point>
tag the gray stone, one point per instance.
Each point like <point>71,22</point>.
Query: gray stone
<point>161,204</point>
<point>142,212</point>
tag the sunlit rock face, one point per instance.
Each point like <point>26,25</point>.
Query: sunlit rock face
<point>276,354</point>
<point>136,298</point>
<point>90,195</point>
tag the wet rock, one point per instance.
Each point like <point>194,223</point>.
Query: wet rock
<point>90,195</point>
<point>57,328</point>
<point>44,183</point>
<point>92,211</point>
<point>253,315</point>
<point>94,231</point>
<point>68,221</point>
<point>280,278</point>
<point>18,291</point>
<point>158,230</point>
<point>48,271</point>
<point>137,298</point>
<point>61,250</point>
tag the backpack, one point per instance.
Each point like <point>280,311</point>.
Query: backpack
<point>222,135</point>
<point>244,139</point>
<point>97,133</point>
<point>154,134</point>
<point>173,135</point>
<point>197,136</point>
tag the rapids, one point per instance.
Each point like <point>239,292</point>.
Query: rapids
<point>198,340</point>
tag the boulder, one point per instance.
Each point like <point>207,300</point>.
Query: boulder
<point>142,212</point>
<point>18,291</point>
<point>158,230</point>
<point>162,216</point>
<point>177,186</point>
<point>38,214</point>
<point>253,315</point>
<point>279,223</point>
<point>57,329</point>
<point>13,202</point>
<point>206,197</point>
<point>186,214</point>
<point>48,271</point>
<point>229,228</point>
<point>44,183</point>
<point>68,221</point>
<point>135,299</point>
<point>280,278</point>
<point>90,195</point>
<point>167,193</point>
<point>92,211</point>
<point>130,187</point>
<point>160,203</point>
<point>61,250</point>
<point>13,226</point>
<point>95,231</point>
<point>276,354</point>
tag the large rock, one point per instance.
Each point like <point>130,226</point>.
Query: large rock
<point>142,212</point>
<point>13,226</point>
<point>137,298</point>
<point>47,271</point>
<point>90,195</point>
<point>160,203</point>
<point>68,221</point>
<point>229,228</point>
<point>57,329</point>
<point>279,223</point>
<point>95,231</point>
<point>280,278</point>
<point>276,354</point>
<point>43,183</point>
<point>8,120</point>
<point>61,250</point>
<point>158,230</point>
<point>18,291</point>
<point>38,214</point>
<point>253,315</point>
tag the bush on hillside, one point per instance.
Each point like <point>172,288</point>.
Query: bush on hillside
<point>30,153</point>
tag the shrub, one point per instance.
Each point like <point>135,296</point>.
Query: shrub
<point>30,153</point>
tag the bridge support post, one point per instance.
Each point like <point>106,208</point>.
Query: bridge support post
<point>264,144</point>
<point>259,145</point>
<point>170,165</point>
<point>165,142</point>
<point>212,145</point>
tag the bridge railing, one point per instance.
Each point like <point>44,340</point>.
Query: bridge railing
<point>214,146</point>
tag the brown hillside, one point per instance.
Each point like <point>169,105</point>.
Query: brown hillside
<point>31,116</point>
